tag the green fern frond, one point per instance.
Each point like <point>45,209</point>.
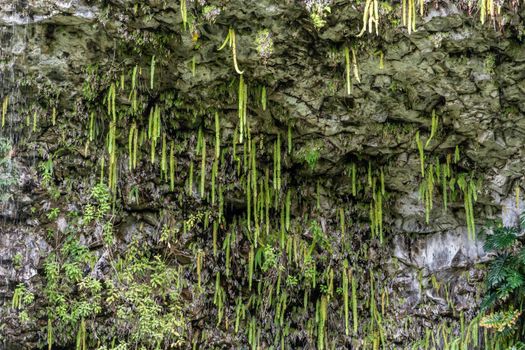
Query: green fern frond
<point>502,238</point>
<point>489,300</point>
<point>500,321</point>
<point>514,279</point>
<point>521,256</point>
<point>504,292</point>
<point>496,273</point>
<point>518,346</point>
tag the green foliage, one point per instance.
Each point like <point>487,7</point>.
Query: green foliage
<point>501,321</point>
<point>100,204</point>
<point>53,213</point>
<point>318,12</point>
<point>505,280</point>
<point>18,260</point>
<point>311,157</point>
<point>270,258</point>
<point>210,12</point>
<point>518,346</point>
<point>141,294</point>
<point>506,274</point>
<point>91,82</point>
<point>145,296</point>
<point>46,169</point>
<point>489,64</point>
<point>291,281</point>
<point>21,297</point>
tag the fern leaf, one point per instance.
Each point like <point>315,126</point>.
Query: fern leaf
<point>504,292</point>
<point>500,321</point>
<point>488,301</point>
<point>514,279</point>
<point>521,256</point>
<point>496,273</point>
<point>502,238</point>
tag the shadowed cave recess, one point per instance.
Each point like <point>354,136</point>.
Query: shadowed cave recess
<point>273,174</point>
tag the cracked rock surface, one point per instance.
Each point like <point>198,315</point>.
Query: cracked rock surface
<point>471,76</point>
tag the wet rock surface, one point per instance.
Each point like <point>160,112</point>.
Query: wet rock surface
<point>54,54</point>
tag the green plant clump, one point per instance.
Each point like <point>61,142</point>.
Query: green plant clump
<point>503,303</point>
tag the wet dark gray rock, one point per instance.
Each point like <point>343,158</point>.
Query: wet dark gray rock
<point>471,75</point>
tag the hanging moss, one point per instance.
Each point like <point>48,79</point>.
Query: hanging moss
<point>152,72</point>
<point>190,178</point>
<point>487,8</point>
<point>468,187</point>
<point>342,222</point>
<point>354,302</point>
<point>218,298</point>
<point>112,151</point>
<point>346,52</point>
<point>199,261</point>
<point>421,154</point>
<point>345,287</point>
<point>322,307</point>
<point>263,98</point>
<point>290,143</point>
<point>409,15</point>
<point>49,334</point>
<point>81,336</point>
<point>172,166</point>
<point>251,267</point>
<point>370,17</point>
<point>54,116</point>
<point>35,120</point>
<point>433,128</point>
<point>164,159</point>
<point>214,171</point>
<point>354,179</point>
<point>288,209</point>
<point>92,126</point>
<point>203,168</point>
<point>5,105</point>
<point>217,136</point>
<point>242,108</point>
<point>227,249</point>
<point>231,41</point>
<point>355,67</point>
<point>426,191</point>
<point>131,135</point>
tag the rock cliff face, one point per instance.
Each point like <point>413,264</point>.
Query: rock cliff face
<point>362,169</point>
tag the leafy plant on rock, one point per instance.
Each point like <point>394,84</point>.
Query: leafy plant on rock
<point>505,282</point>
